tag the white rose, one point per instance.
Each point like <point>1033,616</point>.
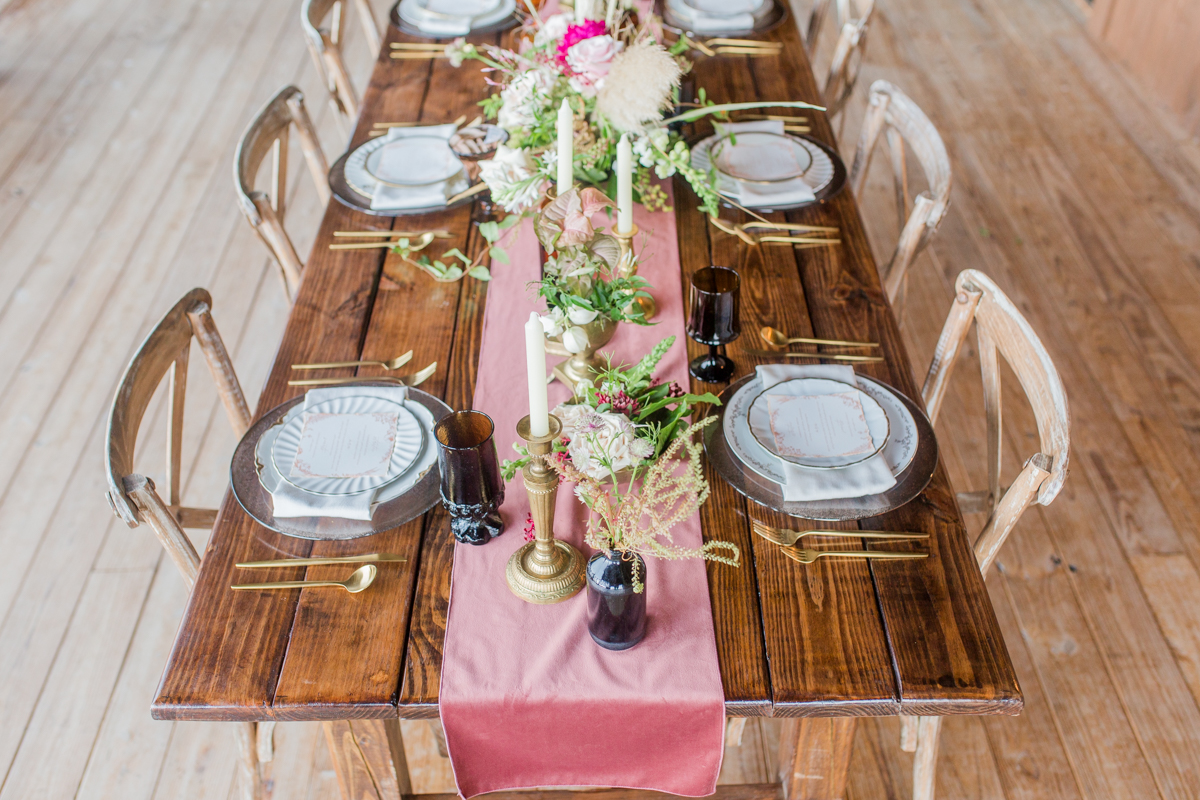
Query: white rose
<point>553,322</point>
<point>553,28</point>
<point>581,316</point>
<point>575,339</point>
<point>507,174</point>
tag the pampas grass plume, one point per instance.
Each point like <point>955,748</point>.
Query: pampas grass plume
<point>638,86</point>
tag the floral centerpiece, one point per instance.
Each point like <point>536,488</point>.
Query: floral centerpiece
<point>635,463</point>
<point>579,282</point>
<point>619,77</point>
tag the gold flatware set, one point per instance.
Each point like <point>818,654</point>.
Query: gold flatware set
<point>415,379</point>
<point>829,356</point>
<point>418,50</point>
<point>418,240</point>
<point>777,338</point>
<point>359,580</point>
<point>736,47</point>
<point>802,237</point>
<point>786,539</point>
<point>380,128</point>
<point>791,123</point>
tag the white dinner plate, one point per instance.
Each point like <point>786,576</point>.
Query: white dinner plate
<point>818,175</point>
<point>413,161</point>
<point>760,420</point>
<point>410,442</point>
<point>270,477</point>
<point>422,14</point>
<point>898,452</point>
<point>761,157</point>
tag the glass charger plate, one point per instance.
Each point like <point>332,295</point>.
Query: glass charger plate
<point>910,481</point>
<point>256,501</point>
<point>503,24</point>
<point>827,175</point>
<point>768,18</point>
<point>349,196</point>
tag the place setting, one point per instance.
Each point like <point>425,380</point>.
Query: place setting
<point>762,165</point>
<point>723,17</point>
<point>446,19</point>
<point>412,169</point>
<point>349,458</point>
<point>816,441</point>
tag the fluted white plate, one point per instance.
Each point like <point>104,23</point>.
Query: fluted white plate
<point>410,441</point>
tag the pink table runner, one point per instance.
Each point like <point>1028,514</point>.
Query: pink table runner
<point>527,698</point>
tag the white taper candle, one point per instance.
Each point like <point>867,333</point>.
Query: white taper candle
<point>566,146</point>
<point>624,185</point>
<point>535,356</point>
<point>583,10</point>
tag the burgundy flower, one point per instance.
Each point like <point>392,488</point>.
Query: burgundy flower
<point>529,532</point>
<point>675,391</point>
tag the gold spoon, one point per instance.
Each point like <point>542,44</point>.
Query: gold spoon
<point>390,364</point>
<point>778,338</point>
<point>360,579</point>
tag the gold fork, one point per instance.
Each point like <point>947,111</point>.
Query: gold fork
<point>809,556</point>
<point>751,351</point>
<point>389,365</point>
<point>416,379</point>
<point>786,538</point>
<point>800,242</point>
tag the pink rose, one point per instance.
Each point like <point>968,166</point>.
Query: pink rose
<point>590,61</point>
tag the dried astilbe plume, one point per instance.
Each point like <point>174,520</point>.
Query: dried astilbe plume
<point>641,520</point>
<point>638,85</point>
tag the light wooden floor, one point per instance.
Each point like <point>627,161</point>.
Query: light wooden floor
<point>117,127</point>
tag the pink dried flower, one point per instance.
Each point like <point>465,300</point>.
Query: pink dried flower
<point>576,34</point>
<point>675,391</point>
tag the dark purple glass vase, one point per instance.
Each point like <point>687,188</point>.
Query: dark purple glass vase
<point>472,490</point>
<point>616,613</point>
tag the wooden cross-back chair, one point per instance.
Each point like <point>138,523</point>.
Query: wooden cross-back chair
<point>853,18</point>
<point>1000,329</point>
<point>135,499</point>
<point>891,111</point>
<point>267,135</point>
<point>325,43</point>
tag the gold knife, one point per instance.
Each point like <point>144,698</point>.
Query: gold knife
<point>830,356</point>
<point>366,558</point>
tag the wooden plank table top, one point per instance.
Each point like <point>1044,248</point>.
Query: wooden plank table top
<point>832,639</point>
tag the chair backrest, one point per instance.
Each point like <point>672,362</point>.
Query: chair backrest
<point>890,110</point>
<point>268,134</point>
<point>1000,327</point>
<point>133,497</point>
<point>325,42</point>
<point>853,18</point>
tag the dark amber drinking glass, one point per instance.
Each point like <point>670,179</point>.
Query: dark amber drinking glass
<point>713,320</point>
<point>472,490</point>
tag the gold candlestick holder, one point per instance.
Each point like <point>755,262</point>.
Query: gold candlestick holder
<point>627,267</point>
<point>545,570</point>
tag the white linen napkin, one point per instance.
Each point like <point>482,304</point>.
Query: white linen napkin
<point>757,195</point>
<point>724,15</point>
<point>393,198</point>
<point>289,501</point>
<point>857,480</point>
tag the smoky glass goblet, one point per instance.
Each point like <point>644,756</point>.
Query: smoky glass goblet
<point>715,300</point>
<point>472,489</point>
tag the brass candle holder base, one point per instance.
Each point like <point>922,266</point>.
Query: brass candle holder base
<point>545,570</point>
<point>582,368</point>
<point>627,267</point>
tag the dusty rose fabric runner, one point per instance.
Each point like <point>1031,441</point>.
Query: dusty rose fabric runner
<point>527,698</point>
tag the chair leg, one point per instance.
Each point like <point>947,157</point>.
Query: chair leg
<point>925,764</point>
<point>734,728</point>
<point>250,775</point>
<point>908,733</point>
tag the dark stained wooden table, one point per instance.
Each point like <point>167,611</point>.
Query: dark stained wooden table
<point>819,644</point>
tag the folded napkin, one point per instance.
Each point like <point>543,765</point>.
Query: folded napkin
<point>857,480</point>
<point>758,195</point>
<point>716,15</point>
<point>393,198</point>
<point>289,501</point>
